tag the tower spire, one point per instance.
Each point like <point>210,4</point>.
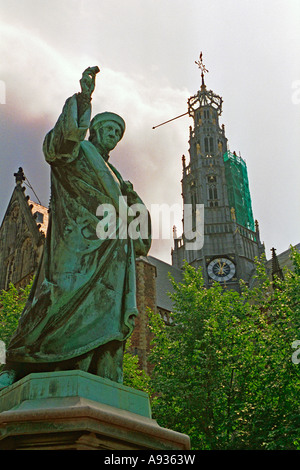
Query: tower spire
<point>276,269</point>
<point>203,69</point>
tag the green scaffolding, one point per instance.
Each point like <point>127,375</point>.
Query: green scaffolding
<point>238,189</point>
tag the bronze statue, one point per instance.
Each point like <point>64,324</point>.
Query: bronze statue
<point>82,306</point>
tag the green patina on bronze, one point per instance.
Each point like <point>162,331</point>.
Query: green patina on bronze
<point>82,306</point>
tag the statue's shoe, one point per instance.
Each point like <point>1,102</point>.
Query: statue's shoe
<point>7,378</point>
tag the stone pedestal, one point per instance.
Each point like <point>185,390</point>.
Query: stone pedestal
<point>75,410</point>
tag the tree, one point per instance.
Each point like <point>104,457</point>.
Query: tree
<point>223,372</point>
<point>12,302</point>
<point>134,376</point>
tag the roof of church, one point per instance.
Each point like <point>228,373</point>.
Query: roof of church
<point>283,259</point>
<point>37,212</point>
<point>29,208</point>
<point>163,282</point>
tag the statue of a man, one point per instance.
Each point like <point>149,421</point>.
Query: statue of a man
<point>82,306</point>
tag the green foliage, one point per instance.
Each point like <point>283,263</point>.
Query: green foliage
<point>12,303</point>
<point>223,370</point>
<point>134,376</point>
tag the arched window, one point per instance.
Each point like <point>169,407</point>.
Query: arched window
<point>27,257</point>
<point>212,191</point>
<point>9,272</point>
<point>209,145</point>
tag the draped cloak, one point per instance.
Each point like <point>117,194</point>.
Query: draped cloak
<point>83,294</point>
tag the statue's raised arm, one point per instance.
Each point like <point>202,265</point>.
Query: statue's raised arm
<point>62,142</point>
<point>87,84</point>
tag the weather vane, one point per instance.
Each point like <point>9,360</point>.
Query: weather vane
<point>201,67</point>
<point>203,71</point>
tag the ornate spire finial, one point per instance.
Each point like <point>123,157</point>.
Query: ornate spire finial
<point>276,269</point>
<point>175,232</point>
<point>202,68</point>
<point>19,176</point>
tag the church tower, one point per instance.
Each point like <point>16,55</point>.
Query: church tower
<point>217,178</point>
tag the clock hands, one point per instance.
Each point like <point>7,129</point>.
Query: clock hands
<point>221,267</point>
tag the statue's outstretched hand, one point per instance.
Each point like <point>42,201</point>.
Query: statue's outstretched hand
<point>87,81</point>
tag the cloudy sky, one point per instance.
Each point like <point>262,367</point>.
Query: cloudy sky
<point>146,50</point>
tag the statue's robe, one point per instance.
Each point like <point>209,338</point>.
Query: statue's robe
<point>84,291</point>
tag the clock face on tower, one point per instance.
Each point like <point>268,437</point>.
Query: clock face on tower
<point>221,269</point>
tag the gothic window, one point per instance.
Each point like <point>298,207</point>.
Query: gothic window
<point>209,144</point>
<point>9,272</point>
<point>212,191</point>
<point>206,114</point>
<point>28,258</point>
<point>165,315</point>
<point>39,217</point>
<point>193,200</point>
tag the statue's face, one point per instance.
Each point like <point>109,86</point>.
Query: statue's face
<point>109,134</point>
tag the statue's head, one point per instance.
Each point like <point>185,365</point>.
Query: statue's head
<point>106,130</point>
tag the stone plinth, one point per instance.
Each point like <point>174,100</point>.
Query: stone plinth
<point>76,410</point>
